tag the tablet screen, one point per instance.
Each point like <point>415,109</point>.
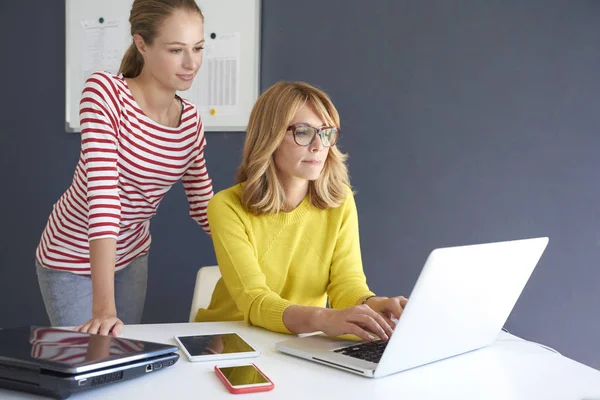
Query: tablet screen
<point>226,343</point>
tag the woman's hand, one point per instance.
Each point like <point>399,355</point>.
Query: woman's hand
<point>103,323</point>
<point>360,320</point>
<point>388,307</point>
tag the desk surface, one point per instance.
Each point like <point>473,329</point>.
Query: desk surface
<point>511,368</point>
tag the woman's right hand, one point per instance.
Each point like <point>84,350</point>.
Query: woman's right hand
<point>359,320</point>
<point>103,323</point>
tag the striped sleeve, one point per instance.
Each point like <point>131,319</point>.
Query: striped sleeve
<point>198,185</point>
<point>98,114</point>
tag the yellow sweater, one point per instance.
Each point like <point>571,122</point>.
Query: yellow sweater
<point>272,261</point>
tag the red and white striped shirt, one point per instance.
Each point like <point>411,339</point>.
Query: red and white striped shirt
<point>127,164</point>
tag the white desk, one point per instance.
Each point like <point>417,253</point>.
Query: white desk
<point>511,368</point>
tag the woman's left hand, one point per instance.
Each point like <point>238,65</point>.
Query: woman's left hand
<point>388,307</point>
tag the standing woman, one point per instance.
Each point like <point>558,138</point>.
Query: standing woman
<point>138,138</point>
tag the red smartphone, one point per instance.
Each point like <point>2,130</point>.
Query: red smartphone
<point>245,378</point>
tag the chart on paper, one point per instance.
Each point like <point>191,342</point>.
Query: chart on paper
<point>216,89</point>
<point>102,47</point>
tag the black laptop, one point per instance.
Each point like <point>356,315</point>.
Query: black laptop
<point>58,362</point>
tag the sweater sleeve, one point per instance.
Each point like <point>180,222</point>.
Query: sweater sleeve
<point>240,269</point>
<point>98,116</point>
<point>347,281</point>
<point>198,185</point>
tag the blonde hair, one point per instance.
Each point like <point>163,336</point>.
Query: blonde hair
<point>271,115</point>
<point>145,19</point>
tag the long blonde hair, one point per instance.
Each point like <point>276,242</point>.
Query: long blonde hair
<point>145,19</point>
<point>271,115</point>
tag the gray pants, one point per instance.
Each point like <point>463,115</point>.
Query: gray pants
<point>68,296</point>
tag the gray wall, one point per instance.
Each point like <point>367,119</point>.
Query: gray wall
<point>466,121</point>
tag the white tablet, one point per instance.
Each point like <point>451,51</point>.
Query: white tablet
<point>219,346</point>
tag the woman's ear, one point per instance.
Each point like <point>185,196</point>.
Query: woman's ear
<point>139,43</point>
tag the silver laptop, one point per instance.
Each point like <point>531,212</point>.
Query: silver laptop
<point>59,362</point>
<point>460,302</point>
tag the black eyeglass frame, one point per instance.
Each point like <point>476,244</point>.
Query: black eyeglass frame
<point>318,131</point>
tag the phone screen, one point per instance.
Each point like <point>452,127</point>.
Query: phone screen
<point>243,375</point>
<point>227,343</point>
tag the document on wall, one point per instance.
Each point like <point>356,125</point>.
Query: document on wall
<point>101,49</point>
<point>216,89</point>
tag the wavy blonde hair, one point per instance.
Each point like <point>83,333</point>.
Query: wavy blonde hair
<point>271,115</point>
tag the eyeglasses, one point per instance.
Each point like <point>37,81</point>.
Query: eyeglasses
<point>304,135</point>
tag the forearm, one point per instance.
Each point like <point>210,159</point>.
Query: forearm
<point>302,319</point>
<point>102,262</point>
<point>199,190</point>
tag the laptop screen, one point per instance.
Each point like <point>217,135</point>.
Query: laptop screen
<point>68,351</point>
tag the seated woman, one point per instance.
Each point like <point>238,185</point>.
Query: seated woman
<point>286,236</point>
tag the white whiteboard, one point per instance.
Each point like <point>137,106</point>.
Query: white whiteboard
<point>225,88</point>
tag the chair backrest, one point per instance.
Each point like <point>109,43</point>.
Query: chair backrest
<point>206,280</point>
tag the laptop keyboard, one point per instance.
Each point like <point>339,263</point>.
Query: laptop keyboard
<point>369,351</point>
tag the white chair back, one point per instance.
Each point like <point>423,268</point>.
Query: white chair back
<point>206,280</point>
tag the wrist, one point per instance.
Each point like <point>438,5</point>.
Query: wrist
<point>104,309</point>
<point>373,300</point>
<point>364,300</point>
<point>317,317</point>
